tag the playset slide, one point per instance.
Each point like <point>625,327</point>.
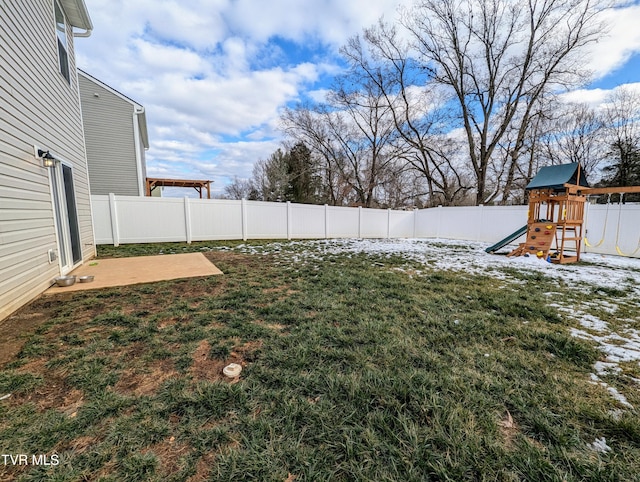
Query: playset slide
<point>503,242</point>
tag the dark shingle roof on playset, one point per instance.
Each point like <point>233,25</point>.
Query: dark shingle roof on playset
<point>555,177</point>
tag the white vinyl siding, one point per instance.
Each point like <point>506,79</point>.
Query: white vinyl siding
<point>37,107</point>
<point>110,137</point>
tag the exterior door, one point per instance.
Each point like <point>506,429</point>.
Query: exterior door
<point>66,217</point>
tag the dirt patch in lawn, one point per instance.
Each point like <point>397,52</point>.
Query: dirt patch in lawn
<point>14,330</point>
<point>203,468</point>
<point>54,392</point>
<point>508,430</point>
<point>236,261</point>
<point>169,453</point>
<point>134,382</point>
<point>206,367</point>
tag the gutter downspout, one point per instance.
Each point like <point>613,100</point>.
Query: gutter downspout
<point>86,33</point>
<point>137,142</point>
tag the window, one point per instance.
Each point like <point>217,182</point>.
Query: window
<point>61,32</point>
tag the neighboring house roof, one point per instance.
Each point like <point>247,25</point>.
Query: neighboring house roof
<point>555,177</point>
<point>138,109</point>
<point>77,13</point>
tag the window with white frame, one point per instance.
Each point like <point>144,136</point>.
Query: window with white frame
<point>61,33</point>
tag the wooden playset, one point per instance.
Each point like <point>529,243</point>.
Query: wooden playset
<point>554,230</point>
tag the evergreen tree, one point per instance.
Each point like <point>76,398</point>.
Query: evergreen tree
<point>304,184</point>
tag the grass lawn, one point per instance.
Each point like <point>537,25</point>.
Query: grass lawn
<point>357,366</point>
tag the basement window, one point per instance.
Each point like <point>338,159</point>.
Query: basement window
<point>61,34</point>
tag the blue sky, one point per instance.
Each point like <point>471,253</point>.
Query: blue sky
<point>214,75</point>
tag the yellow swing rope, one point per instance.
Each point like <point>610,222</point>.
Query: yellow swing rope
<point>604,229</point>
<point>618,233</point>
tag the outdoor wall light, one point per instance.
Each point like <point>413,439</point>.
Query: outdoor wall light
<point>47,159</point>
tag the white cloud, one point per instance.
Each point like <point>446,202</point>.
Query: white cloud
<point>593,97</point>
<point>619,43</point>
<point>597,97</point>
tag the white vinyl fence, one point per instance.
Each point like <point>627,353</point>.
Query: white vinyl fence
<point>131,219</point>
<point>612,229</point>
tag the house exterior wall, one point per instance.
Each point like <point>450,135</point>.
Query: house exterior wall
<point>110,136</point>
<point>38,107</point>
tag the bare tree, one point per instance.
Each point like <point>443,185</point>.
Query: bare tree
<point>574,132</point>
<point>364,130</point>
<point>500,58</point>
<point>416,105</point>
<point>353,133</point>
<point>622,120</point>
<point>240,189</point>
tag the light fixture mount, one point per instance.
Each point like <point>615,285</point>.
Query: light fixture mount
<point>47,159</point>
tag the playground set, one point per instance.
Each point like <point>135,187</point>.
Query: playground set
<point>556,217</point>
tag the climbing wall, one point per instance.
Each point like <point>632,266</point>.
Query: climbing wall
<point>540,237</point>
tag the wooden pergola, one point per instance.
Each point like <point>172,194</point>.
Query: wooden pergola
<point>198,185</point>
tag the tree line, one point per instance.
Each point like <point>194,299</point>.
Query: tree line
<point>456,102</point>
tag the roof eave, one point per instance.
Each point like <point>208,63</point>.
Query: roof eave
<point>77,14</point>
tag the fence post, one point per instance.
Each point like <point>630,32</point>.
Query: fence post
<point>243,215</point>
<point>187,219</point>
<point>359,222</point>
<point>113,211</point>
<point>289,220</point>
<point>388,223</point>
<point>479,235</point>
<point>415,221</point>
<point>439,220</point>
<point>585,227</point>
<point>326,221</point>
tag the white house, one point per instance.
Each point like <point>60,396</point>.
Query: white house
<point>115,130</point>
<point>45,212</point>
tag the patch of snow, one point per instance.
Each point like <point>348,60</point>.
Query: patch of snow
<point>616,414</point>
<point>610,308</point>
<point>600,445</point>
<point>592,322</point>
<point>604,368</point>
<point>586,320</point>
<point>612,390</point>
<point>619,396</point>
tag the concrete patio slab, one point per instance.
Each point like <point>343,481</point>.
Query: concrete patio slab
<point>141,269</point>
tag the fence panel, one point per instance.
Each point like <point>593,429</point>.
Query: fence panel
<point>374,223</point>
<point>427,222</point>
<point>215,219</point>
<point>150,220</point>
<point>101,214</point>
<point>266,220</point>
<point>613,229</point>
<point>402,224</point>
<point>342,222</point>
<point>497,222</point>
<point>307,221</point>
